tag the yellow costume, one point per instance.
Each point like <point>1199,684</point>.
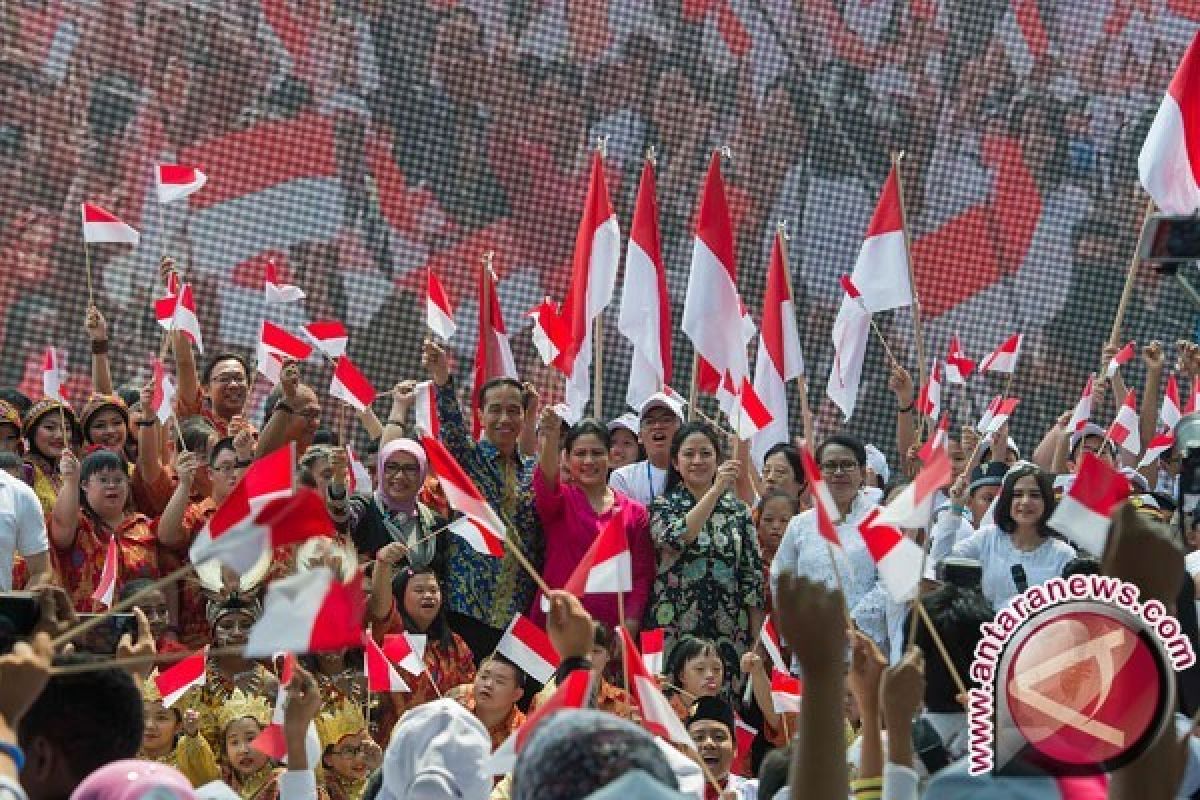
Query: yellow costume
<point>334,725</point>
<point>196,756</point>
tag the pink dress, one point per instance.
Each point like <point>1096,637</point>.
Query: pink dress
<point>570,526</point>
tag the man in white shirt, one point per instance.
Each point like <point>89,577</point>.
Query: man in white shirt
<point>658,420</point>
<point>22,530</point>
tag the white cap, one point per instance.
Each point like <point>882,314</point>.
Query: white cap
<point>668,400</point>
<point>1089,429</point>
<point>629,421</point>
<point>877,461</point>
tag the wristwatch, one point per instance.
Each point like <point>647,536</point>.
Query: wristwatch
<point>15,754</point>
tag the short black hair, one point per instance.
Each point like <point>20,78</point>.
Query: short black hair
<point>780,494</point>
<point>685,650</point>
<point>17,399</point>
<point>587,427</point>
<point>206,376</point>
<point>792,454</point>
<point>439,629</point>
<point>196,433</point>
<point>958,614</point>
<point>1045,483</point>
<point>221,445</point>
<point>500,658</point>
<point>498,382</point>
<point>681,436</point>
<point>326,436</point>
<point>852,443</point>
<point>773,772</point>
<point>91,718</point>
<point>1081,565</point>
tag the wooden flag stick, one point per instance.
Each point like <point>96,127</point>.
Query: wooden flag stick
<point>941,647</point>
<point>139,661</point>
<point>918,334</point>
<point>694,387</point>
<point>87,264</point>
<point>624,655</point>
<point>485,307</point>
<point>521,558</point>
<point>124,605</point>
<point>1114,336</point>
<point>598,358</point>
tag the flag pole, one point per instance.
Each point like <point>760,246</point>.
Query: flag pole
<point>523,560</point>
<point>918,334</point>
<point>1114,336</point>
<point>694,387</point>
<point>598,351</point>
<point>624,654</point>
<point>124,605</point>
<point>801,382</point>
<point>485,305</point>
<point>87,263</point>
<point>941,648</point>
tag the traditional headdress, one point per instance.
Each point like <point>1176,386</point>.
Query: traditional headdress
<point>345,719</point>
<point>240,705</point>
<point>43,407</point>
<point>97,403</point>
<point>150,693</point>
<point>234,603</point>
<point>9,415</point>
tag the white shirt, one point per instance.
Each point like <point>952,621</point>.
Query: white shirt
<point>746,788</point>
<point>22,526</point>
<point>642,481</point>
<point>993,548</point>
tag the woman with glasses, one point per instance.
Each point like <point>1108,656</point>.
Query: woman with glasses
<point>842,460</point>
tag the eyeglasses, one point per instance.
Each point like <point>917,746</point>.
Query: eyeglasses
<point>665,418</point>
<point>396,469</point>
<point>110,480</point>
<point>225,469</point>
<point>227,378</point>
<point>352,752</point>
<point>310,414</point>
<point>834,467</point>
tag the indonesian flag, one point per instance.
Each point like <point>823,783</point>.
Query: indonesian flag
<point>897,557</point>
<point>1119,360</point>
<point>996,414</point>
<point>439,316</point>
<point>480,525</point>
<point>101,226</point>
<point>328,335</point>
<point>1194,398</point>
<point>1169,164</point>
<point>937,441</point>
<point>1124,429</point>
<point>550,333</point>
<point>779,357</point>
<point>381,676</point>
<point>528,646</point>
<point>1004,358</point>
<point>309,612</point>
<point>607,567</point>
<point>406,650</point>
<point>881,279</point>
<point>657,715</point>
<point>275,346</point>
<point>847,284</point>
<point>1083,409</point>
<point>162,395</point>
<point>645,317</point>
<point>653,643</point>
<point>174,683</point>
<point>826,508</point>
<point>359,477</point>
<point>351,386</point>
<point>593,278</point>
<point>786,692</point>
<point>769,638</point>
<point>1023,36</point>
<point>958,366</point>
<point>744,734</point>
<point>1084,513</point>
<point>54,374</point>
<point>276,290</point>
<point>929,399</point>
<point>1169,415</point>
<point>106,587</point>
<point>912,507</point>
<point>574,692</point>
<point>493,355</point>
<point>1160,444</point>
<point>714,318</point>
<point>271,739</point>
<point>176,181</point>
<point>425,410</point>
<point>177,312</point>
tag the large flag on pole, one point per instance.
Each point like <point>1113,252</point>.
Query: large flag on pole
<point>1169,164</point>
<point>779,357</point>
<point>645,318</point>
<point>493,355</point>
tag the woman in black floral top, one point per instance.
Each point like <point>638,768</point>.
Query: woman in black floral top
<point>710,575</point>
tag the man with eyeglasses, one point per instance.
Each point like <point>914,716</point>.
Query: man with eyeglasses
<point>658,420</point>
<point>219,395</point>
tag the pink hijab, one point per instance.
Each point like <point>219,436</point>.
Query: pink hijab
<point>387,451</point>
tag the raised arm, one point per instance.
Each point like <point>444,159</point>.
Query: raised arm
<point>528,443</point>
<point>550,446</point>
<point>97,331</point>
<point>274,432</point>
<point>149,429</point>
<point>170,525</point>
<point>404,395</point>
<point>1154,359</point>
<point>65,516</point>
<point>901,384</point>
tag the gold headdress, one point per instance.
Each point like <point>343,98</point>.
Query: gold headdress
<point>150,693</point>
<point>339,722</point>
<point>241,705</point>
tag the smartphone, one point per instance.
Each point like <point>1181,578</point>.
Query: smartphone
<point>966,573</point>
<point>18,616</point>
<point>104,638</point>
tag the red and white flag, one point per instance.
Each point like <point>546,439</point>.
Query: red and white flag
<point>958,366</point>
<point>174,683</point>
<point>881,279</point>
<point>359,479</point>
<point>275,346</point>
<point>176,181</point>
<point>714,318</point>
<point>1083,409</point>
<point>106,587</point>
<point>938,441</point>
<point>653,643</point>
<point>657,715</point>
<point>101,226</point>
<point>1169,164</point>
<point>744,735</point>
<point>381,675</point>
<point>847,284</point>
<point>1023,36</point>
<point>826,508</point>
<point>480,526</point>
<point>351,386</point>
<point>528,646</point>
<point>1193,404</point>
<point>929,399</point>
<point>1124,429</point>
<point>309,612</point>
<point>493,355</point>
<point>996,414</point>
<point>913,506</point>
<point>1170,414</point>
<point>425,412</point>
<point>439,316</point>
<point>1119,360</point>
<point>593,279</point>
<point>645,316</point>
<point>769,638</point>
<point>54,374</point>
<point>779,358</point>
<point>551,337</point>
<point>786,692</point>
<point>897,558</point>
<point>574,692</point>
<point>328,335</point>
<point>162,395</point>
<point>1084,513</point>
<point>276,290</point>
<point>406,650</point>
<point>1160,444</point>
<point>607,567</point>
<point>1004,358</point>
<point>271,739</point>
<point>177,312</point>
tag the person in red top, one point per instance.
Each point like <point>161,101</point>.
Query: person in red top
<point>219,394</point>
<point>92,508</point>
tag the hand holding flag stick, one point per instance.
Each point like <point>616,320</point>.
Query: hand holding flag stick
<point>124,605</point>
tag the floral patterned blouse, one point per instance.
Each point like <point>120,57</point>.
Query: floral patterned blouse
<point>706,588</point>
<point>194,629</point>
<point>83,562</point>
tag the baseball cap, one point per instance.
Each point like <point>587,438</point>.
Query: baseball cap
<point>877,461</point>
<point>989,474</point>
<point>1089,429</point>
<point>672,402</point>
<point>629,421</point>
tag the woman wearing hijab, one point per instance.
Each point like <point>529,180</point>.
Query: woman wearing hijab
<point>391,513</point>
